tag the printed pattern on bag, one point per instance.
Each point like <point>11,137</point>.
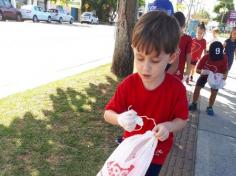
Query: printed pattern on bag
<point>114,169</point>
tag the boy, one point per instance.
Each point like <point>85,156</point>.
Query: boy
<point>151,91</point>
<point>216,62</point>
<point>185,45</point>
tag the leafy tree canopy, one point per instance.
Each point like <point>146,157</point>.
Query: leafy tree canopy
<point>104,8</point>
<point>222,9</point>
<point>202,15</point>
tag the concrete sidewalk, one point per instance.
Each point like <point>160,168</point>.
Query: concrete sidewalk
<point>216,142</point>
<point>207,145</point>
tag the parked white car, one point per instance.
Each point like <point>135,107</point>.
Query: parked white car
<point>60,16</point>
<point>35,13</point>
<point>89,17</point>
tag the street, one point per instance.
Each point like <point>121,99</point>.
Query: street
<point>33,54</point>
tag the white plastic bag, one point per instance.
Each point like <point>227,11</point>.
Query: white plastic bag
<point>215,80</point>
<point>205,72</point>
<point>132,157</point>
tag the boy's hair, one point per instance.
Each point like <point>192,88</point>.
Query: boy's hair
<point>157,31</point>
<point>202,26</point>
<point>180,18</point>
<point>216,51</point>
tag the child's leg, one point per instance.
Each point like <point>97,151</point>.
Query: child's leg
<point>202,80</point>
<point>196,94</point>
<point>212,97</point>
<point>153,170</point>
<point>192,70</point>
<point>200,84</point>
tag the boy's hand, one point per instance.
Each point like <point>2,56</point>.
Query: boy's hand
<point>127,120</point>
<point>205,72</point>
<point>161,132</point>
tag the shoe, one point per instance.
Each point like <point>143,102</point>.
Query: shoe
<point>210,111</point>
<point>119,139</point>
<point>193,107</point>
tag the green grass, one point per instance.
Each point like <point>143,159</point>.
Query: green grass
<point>58,128</point>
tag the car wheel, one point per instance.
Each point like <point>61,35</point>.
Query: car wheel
<point>71,21</point>
<point>18,17</point>
<point>35,19</point>
<point>1,17</point>
<point>60,20</point>
<point>49,19</point>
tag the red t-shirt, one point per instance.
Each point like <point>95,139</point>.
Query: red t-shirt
<point>165,103</point>
<point>220,66</point>
<point>185,45</point>
<point>197,48</point>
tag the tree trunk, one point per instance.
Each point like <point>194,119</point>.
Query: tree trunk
<point>122,64</point>
<point>45,4</point>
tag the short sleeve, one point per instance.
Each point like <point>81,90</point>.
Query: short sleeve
<point>118,102</point>
<point>181,108</point>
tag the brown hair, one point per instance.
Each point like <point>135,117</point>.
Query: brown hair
<point>180,18</point>
<point>156,30</point>
<point>202,26</point>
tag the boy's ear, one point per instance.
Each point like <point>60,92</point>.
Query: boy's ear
<point>174,56</point>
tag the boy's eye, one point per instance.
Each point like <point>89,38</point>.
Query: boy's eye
<point>155,61</point>
<point>140,59</point>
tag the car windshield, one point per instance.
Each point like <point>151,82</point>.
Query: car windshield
<point>26,7</point>
<point>86,14</point>
<point>7,3</point>
<point>1,3</point>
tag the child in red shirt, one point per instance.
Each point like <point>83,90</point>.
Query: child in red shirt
<point>151,91</point>
<point>198,46</point>
<point>185,45</point>
<point>216,62</point>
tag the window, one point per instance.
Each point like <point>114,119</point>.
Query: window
<point>7,3</point>
<point>1,3</point>
<point>40,9</point>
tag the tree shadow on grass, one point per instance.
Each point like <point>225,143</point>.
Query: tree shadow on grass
<point>71,138</point>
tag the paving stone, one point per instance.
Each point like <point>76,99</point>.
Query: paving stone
<point>181,159</point>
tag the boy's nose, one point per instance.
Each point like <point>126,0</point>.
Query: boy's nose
<point>147,66</point>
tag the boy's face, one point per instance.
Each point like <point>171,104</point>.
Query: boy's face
<point>151,67</point>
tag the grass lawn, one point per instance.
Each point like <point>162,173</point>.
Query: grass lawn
<point>58,128</point>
